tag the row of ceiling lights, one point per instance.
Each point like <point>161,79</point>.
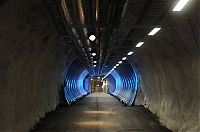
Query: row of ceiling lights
<point>94,54</point>
<point>153,32</point>
<point>92,38</point>
<point>179,6</point>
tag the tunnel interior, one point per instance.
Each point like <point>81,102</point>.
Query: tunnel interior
<point>48,60</point>
<point>123,83</point>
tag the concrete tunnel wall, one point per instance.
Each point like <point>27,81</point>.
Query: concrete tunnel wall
<point>33,60</point>
<point>169,66</point>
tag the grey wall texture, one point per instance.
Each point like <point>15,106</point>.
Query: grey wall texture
<point>32,59</point>
<point>170,70</point>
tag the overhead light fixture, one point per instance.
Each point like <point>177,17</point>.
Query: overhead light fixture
<point>92,37</point>
<point>179,6</point>
<point>120,62</point>
<point>94,54</point>
<point>117,65</point>
<point>95,61</point>
<point>124,58</point>
<point>95,65</point>
<point>154,31</point>
<point>139,44</point>
<point>130,53</point>
<point>90,49</point>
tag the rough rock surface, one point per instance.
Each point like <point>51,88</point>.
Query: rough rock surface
<point>170,70</point>
<point>32,59</point>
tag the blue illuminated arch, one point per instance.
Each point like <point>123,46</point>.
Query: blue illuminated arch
<point>126,83</point>
<point>74,82</point>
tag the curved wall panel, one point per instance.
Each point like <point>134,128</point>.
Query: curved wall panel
<point>111,84</point>
<point>86,84</point>
<point>126,83</point>
<point>74,82</point>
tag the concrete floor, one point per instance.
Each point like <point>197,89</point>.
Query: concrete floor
<point>100,112</point>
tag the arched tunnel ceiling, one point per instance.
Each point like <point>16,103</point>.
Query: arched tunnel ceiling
<point>117,24</point>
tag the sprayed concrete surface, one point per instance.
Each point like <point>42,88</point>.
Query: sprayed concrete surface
<point>169,65</point>
<point>32,60</point>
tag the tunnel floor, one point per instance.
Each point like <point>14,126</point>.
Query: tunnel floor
<point>100,112</point>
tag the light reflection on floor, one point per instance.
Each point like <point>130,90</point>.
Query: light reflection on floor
<point>100,112</point>
<point>96,124</point>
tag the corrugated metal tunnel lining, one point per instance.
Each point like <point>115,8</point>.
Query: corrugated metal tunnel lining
<point>125,84</point>
<point>38,48</point>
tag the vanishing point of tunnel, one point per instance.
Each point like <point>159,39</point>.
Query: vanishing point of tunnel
<point>99,65</point>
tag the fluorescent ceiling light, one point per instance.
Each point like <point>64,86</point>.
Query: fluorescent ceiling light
<point>130,53</point>
<point>95,61</point>
<point>117,65</point>
<point>90,49</point>
<point>94,54</point>
<point>120,62</point>
<point>179,6</point>
<point>92,37</point>
<point>124,58</point>
<point>154,31</point>
<point>139,44</point>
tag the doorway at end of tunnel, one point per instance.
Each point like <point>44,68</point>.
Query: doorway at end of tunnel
<point>98,85</point>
